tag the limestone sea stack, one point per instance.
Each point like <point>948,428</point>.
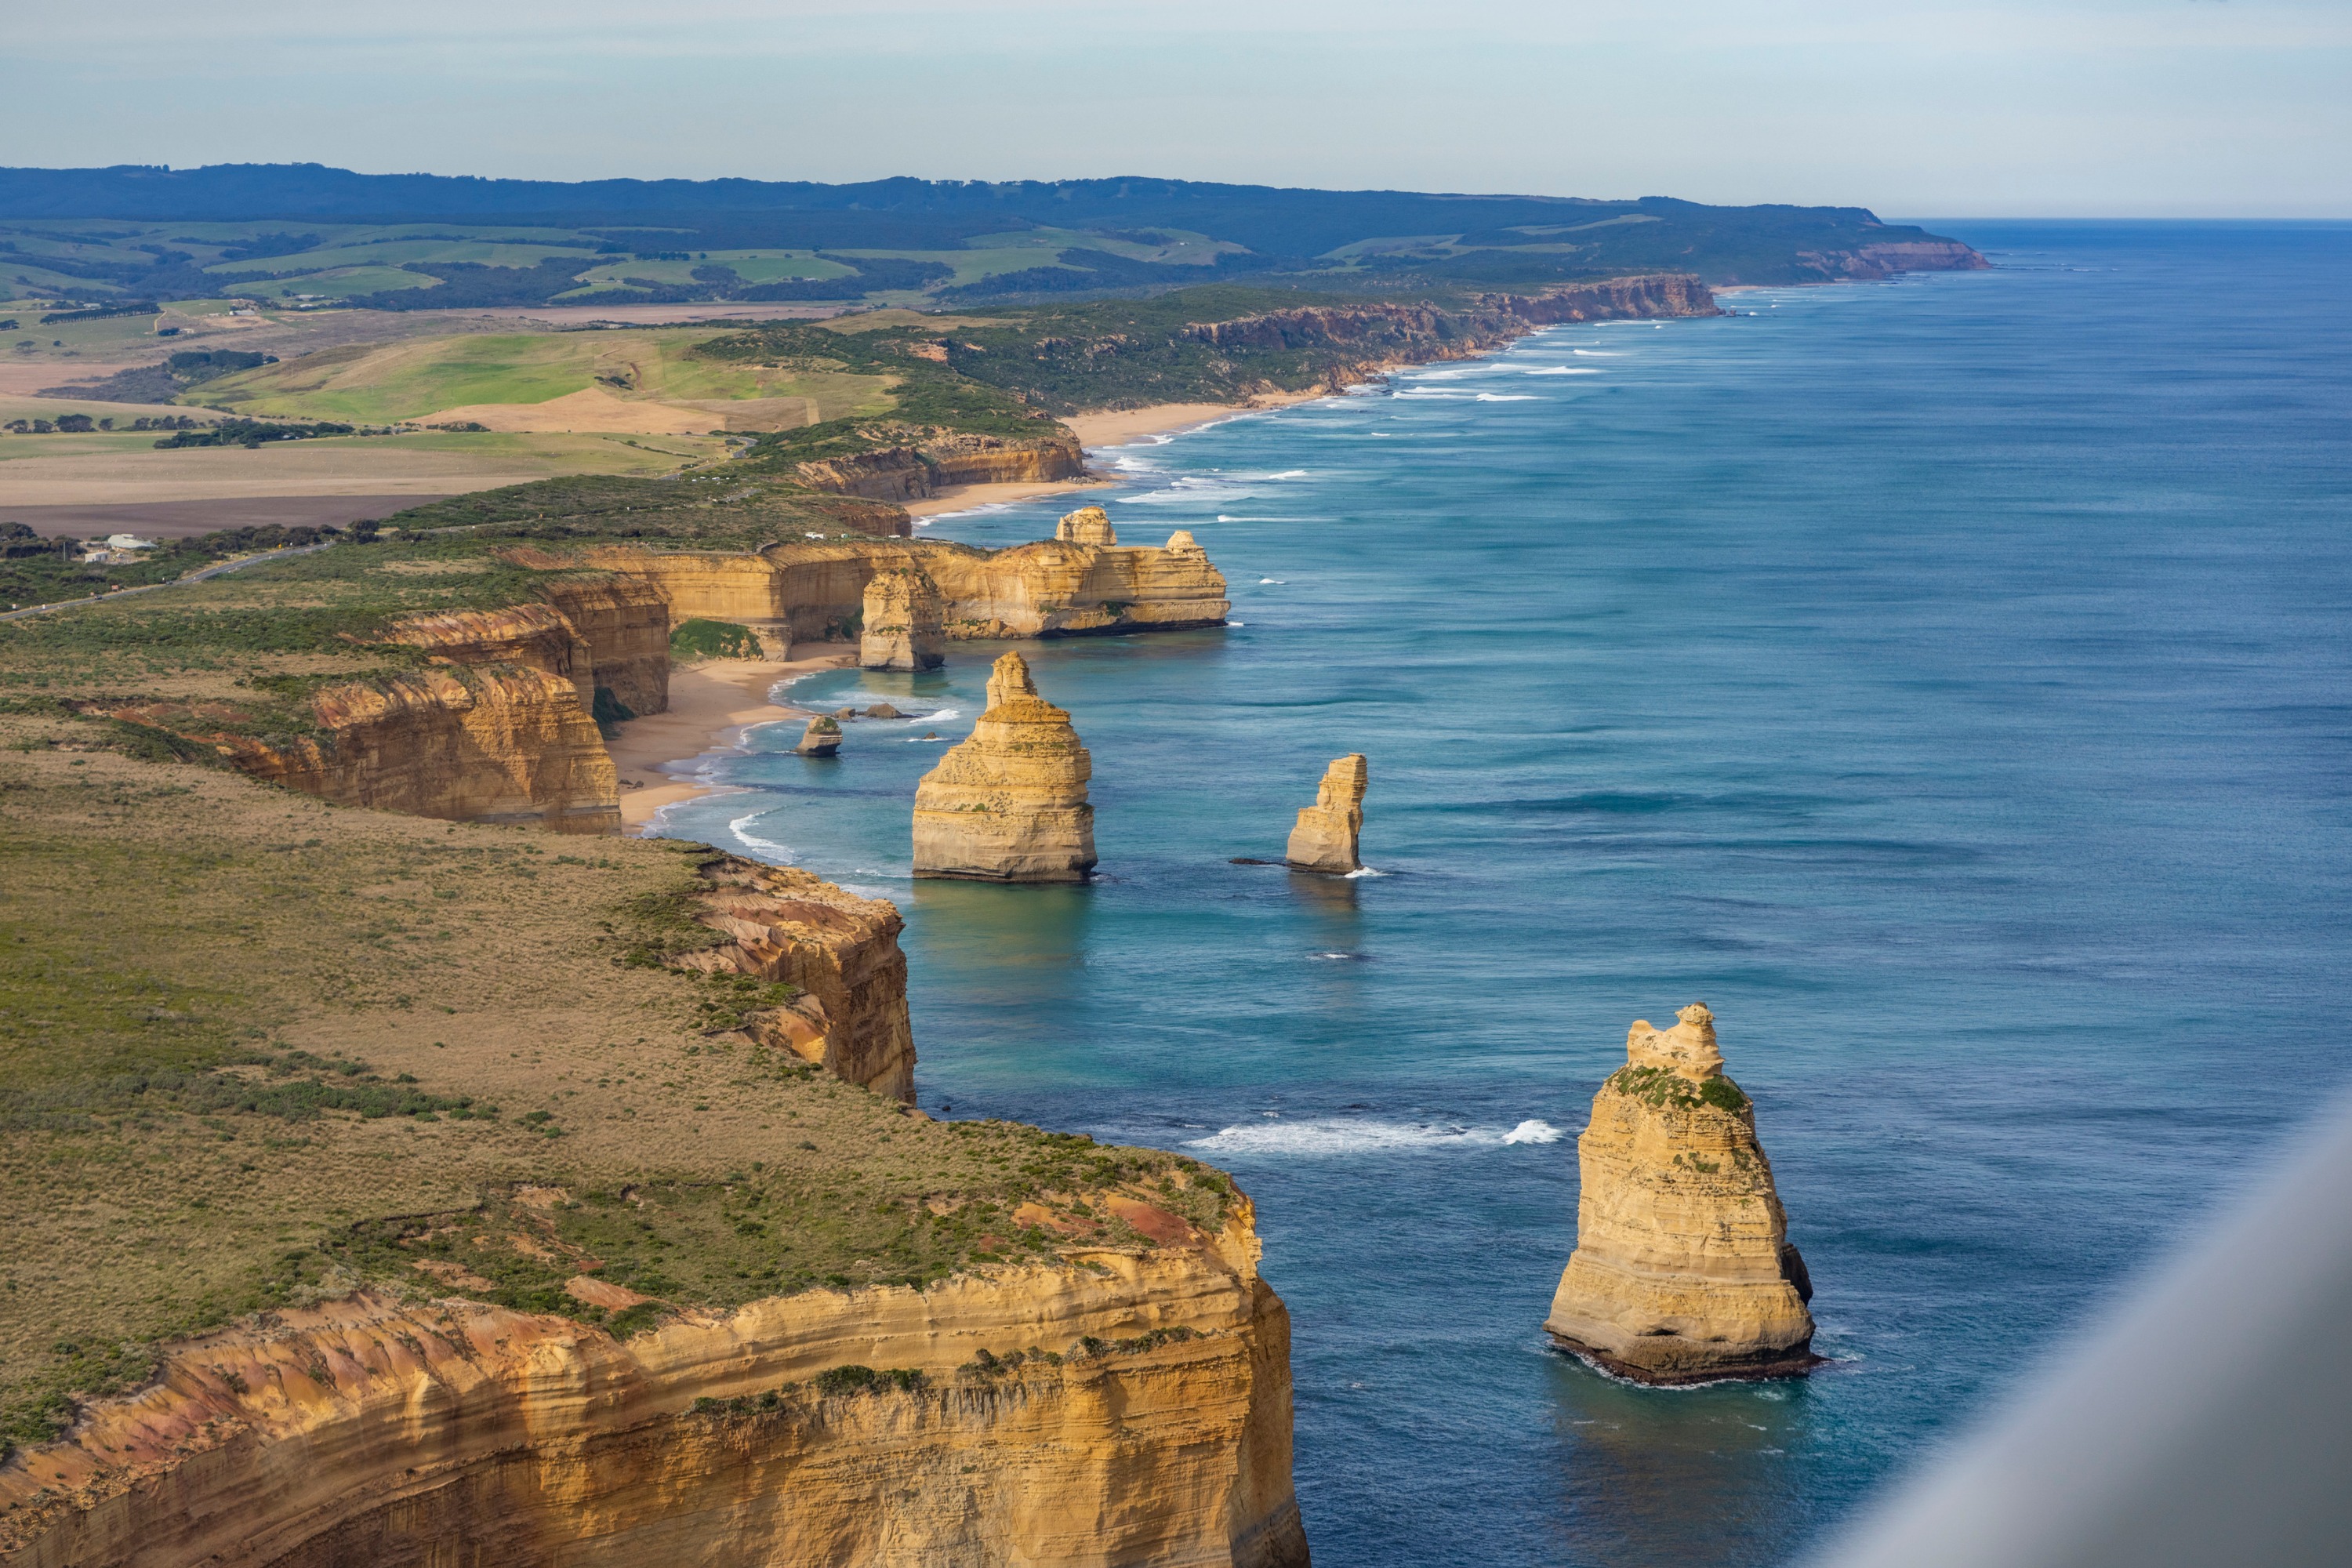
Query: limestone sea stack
<point>902,621</point>
<point>1683,1270</point>
<point>1325,837</point>
<point>821,738</point>
<point>1010,804</point>
<point>1088,525</point>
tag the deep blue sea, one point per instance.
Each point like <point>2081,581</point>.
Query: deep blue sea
<point>1945,680</point>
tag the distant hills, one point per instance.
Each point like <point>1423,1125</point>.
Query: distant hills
<point>305,233</point>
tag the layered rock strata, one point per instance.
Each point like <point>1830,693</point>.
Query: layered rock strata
<point>1325,837</point>
<point>1088,525</point>
<point>1056,587</point>
<point>901,626</point>
<point>1010,804</point>
<point>1683,1270</point>
<point>821,738</point>
<point>496,742</point>
<point>403,1434</point>
<point>839,951</point>
<point>920,471</point>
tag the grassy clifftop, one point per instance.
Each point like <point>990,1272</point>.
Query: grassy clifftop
<point>251,1046</point>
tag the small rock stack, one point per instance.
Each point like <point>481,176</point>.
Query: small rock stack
<point>821,738</point>
<point>1088,525</point>
<point>1324,837</point>
<point>1010,804</point>
<point>1683,1271</point>
<point>902,621</point>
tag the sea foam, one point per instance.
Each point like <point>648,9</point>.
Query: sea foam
<point>1331,1136</point>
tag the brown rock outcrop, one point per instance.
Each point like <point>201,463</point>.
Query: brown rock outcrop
<point>840,951</point>
<point>402,1436</point>
<point>821,738</point>
<point>1010,804</point>
<point>901,629</point>
<point>1683,1271</point>
<point>1325,837</point>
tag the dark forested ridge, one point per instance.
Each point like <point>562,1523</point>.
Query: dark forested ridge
<point>1089,237</point>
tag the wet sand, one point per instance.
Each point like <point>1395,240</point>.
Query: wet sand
<point>710,706</point>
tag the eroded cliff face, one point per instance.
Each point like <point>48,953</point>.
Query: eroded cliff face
<point>917,472</point>
<point>435,1432</point>
<point>1051,588</point>
<point>1364,340</point>
<point>901,626</point>
<point>1008,804</point>
<point>1683,1271</point>
<point>840,949</point>
<point>492,742</point>
<point>624,622</point>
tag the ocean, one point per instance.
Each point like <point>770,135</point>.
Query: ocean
<point>1945,680</point>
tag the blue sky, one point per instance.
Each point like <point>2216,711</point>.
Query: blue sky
<point>2162,108</point>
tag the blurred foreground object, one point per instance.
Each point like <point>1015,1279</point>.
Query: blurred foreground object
<point>2207,1421</point>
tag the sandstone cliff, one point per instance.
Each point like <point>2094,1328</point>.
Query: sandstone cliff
<point>1118,1406</point>
<point>842,954</point>
<point>1010,804</point>
<point>904,473</point>
<point>1362,340</point>
<point>1683,1271</point>
<point>494,743</point>
<point>1325,837</point>
<point>1088,525</point>
<point>1051,588</point>
<point>901,626</point>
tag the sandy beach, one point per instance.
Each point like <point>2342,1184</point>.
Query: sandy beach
<point>710,706</point>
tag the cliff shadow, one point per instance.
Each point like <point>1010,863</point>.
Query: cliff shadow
<point>1023,948</point>
<point>1650,1470</point>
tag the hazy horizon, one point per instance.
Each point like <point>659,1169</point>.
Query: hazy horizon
<point>1973,109</point>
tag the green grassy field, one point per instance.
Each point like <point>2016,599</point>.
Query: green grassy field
<point>408,380</point>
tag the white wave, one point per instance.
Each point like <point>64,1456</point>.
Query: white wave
<point>1236,623</point>
<point>1428,394</point>
<point>1288,474</point>
<point>741,826</point>
<point>1278,582</point>
<point>1364,871</point>
<point>1566,369</point>
<point>1507,397</point>
<point>1332,1136</point>
<point>1599,353</point>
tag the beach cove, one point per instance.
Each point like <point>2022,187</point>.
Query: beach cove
<point>1908,671</point>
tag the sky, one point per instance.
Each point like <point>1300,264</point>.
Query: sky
<point>1972,107</point>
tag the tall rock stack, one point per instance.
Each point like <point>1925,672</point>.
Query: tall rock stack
<point>1324,837</point>
<point>1010,804</point>
<point>1683,1270</point>
<point>1088,525</point>
<point>902,628</point>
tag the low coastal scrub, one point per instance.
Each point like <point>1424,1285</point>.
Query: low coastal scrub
<point>695,640</point>
<point>1658,1087</point>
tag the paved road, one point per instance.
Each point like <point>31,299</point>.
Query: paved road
<point>176,582</point>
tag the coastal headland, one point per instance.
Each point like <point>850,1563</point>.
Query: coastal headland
<point>423,1164</point>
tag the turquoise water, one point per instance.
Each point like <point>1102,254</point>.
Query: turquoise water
<point>1943,679</point>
